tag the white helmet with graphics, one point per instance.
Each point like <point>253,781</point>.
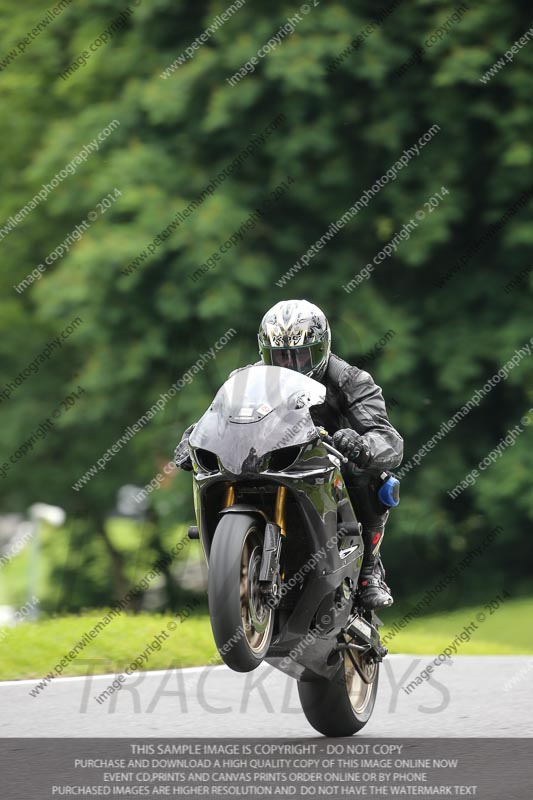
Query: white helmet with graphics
<point>295,334</point>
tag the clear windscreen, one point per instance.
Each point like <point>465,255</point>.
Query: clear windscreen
<point>257,410</point>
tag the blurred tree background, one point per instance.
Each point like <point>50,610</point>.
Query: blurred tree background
<point>345,120</point>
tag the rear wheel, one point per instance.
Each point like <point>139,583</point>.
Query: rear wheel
<point>241,621</point>
<point>342,705</point>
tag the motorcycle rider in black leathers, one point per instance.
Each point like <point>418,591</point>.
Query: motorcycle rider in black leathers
<point>295,334</point>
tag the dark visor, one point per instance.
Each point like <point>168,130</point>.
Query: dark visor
<point>300,359</point>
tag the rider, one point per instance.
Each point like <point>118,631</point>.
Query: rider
<point>296,334</point>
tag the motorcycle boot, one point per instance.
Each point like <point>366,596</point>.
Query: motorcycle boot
<point>373,591</point>
<point>362,488</point>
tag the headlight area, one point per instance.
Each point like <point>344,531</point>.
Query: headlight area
<point>282,459</point>
<point>207,460</point>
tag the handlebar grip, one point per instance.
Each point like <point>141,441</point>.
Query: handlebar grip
<point>327,441</point>
<point>335,452</point>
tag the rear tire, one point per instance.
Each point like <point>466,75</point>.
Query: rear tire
<point>343,705</point>
<point>242,624</point>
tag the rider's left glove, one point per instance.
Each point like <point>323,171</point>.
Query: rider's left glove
<point>353,446</point>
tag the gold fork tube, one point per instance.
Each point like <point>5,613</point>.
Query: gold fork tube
<point>279,511</point>
<point>230,496</point>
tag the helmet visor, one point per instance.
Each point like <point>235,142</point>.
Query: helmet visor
<point>303,359</point>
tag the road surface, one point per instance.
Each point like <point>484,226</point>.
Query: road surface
<point>468,696</point>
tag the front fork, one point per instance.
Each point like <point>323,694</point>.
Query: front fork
<point>269,573</point>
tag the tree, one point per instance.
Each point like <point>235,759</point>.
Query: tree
<point>342,116</point>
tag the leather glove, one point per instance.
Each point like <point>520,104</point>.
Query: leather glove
<point>182,457</point>
<point>353,446</point>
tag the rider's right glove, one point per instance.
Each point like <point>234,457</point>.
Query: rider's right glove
<point>182,457</point>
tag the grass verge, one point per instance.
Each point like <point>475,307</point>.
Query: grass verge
<point>32,650</point>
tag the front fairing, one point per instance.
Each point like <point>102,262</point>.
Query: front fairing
<point>258,410</point>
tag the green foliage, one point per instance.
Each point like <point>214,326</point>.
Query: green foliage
<point>341,131</point>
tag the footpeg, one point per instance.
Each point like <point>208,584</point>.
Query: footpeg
<point>378,653</point>
<point>359,629</point>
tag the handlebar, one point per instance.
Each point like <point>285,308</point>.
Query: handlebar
<point>327,441</point>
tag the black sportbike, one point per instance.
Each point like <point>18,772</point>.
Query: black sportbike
<point>283,546</point>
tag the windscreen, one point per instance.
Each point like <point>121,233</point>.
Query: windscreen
<point>257,410</point>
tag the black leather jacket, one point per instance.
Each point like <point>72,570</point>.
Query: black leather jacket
<point>353,400</point>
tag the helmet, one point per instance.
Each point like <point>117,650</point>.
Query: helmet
<point>295,334</point>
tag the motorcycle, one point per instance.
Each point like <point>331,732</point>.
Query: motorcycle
<point>283,546</point>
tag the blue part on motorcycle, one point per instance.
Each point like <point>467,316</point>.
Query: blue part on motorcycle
<point>389,492</point>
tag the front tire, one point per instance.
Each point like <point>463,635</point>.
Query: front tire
<point>343,705</point>
<point>242,623</point>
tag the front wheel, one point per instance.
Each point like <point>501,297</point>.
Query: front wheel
<point>342,705</point>
<point>242,623</point>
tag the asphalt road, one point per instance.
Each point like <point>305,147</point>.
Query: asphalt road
<point>467,697</point>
